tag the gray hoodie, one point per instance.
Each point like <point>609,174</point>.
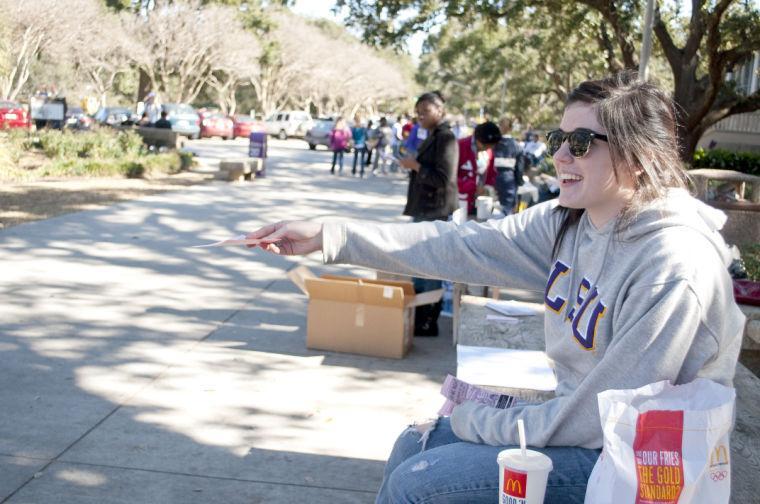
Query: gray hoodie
<point>623,309</point>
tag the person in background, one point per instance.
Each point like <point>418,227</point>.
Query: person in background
<point>340,137</point>
<point>383,147</point>
<point>417,135</point>
<point>534,149</point>
<point>359,137</point>
<point>152,106</point>
<point>407,128</point>
<point>398,137</point>
<point>509,164</point>
<point>398,128</point>
<point>459,128</point>
<point>432,193</point>
<point>163,122</point>
<point>635,278</point>
<point>371,141</point>
<point>476,162</point>
<point>144,120</point>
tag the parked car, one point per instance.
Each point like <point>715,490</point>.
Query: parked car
<point>216,125</point>
<point>244,125</point>
<point>114,116</point>
<point>319,134</point>
<point>13,115</point>
<point>77,119</point>
<point>185,120</point>
<point>293,123</point>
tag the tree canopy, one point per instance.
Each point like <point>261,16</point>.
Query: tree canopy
<point>699,48</point>
<point>211,52</point>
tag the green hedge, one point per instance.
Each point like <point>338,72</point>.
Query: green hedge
<point>97,144</point>
<point>132,167</point>
<point>745,162</point>
<point>99,153</point>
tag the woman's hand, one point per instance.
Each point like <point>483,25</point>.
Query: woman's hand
<point>289,237</point>
<point>409,164</point>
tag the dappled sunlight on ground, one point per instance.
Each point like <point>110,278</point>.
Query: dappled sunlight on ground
<point>128,350</point>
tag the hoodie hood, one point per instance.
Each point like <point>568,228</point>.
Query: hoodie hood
<point>681,209</point>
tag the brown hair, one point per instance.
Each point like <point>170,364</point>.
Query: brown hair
<point>640,121</point>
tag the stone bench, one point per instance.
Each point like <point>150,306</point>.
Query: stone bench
<point>236,170</point>
<point>475,330</point>
<point>703,176</point>
<point>743,224</point>
<point>161,137</point>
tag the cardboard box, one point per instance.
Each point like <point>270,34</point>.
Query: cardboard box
<point>354,315</point>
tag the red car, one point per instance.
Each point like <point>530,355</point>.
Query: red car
<point>216,125</point>
<point>244,125</point>
<point>13,115</point>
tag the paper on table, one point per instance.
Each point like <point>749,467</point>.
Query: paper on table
<point>235,240</point>
<point>515,308</point>
<point>505,367</point>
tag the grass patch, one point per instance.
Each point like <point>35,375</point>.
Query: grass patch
<point>751,258</point>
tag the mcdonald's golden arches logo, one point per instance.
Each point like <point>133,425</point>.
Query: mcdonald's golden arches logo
<point>719,456</point>
<point>515,483</point>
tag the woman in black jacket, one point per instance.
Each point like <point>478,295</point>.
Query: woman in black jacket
<point>432,193</point>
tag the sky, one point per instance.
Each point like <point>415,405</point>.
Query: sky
<point>323,9</point>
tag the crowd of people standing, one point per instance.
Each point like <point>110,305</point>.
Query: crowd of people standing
<point>449,165</point>
<point>490,160</point>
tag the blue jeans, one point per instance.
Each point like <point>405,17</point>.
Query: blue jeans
<point>506,190</point>
<point>337,156</point>
<point>359,155</point>
<point>447,470</point>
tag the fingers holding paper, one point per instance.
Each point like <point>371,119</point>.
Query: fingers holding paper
<point>289,237</point>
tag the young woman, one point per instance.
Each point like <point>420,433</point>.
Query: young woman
<point>340,136</point>
<point>635,279</point>
<point>432,193</point>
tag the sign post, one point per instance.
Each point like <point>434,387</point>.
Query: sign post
<point>257,149</point>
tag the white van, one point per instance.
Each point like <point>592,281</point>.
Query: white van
<point>289,123</point>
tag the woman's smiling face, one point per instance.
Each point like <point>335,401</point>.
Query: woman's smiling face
<point>590,181</point>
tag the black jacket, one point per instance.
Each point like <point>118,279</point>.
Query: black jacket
<point>432,190</point>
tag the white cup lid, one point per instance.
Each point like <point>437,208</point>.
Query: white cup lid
<point>532,461</point>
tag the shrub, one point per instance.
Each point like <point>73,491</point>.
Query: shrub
<point>99,153</point>
<point>186,160</point>
<point>751,258</point>
<point>134,167</point>
<point>101,143</point>
<point>721,159</point>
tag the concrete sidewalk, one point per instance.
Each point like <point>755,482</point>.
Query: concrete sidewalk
<point>135,369</point>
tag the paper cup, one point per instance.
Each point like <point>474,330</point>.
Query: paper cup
<point>522,480</point>
<point>484,207</point>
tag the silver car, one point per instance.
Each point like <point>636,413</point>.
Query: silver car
<point>319,134</point>
<point>294,123</point>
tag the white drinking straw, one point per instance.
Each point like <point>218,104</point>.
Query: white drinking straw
<point>521,431</point>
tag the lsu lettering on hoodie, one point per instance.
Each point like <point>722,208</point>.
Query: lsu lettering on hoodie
<point>623,309</point>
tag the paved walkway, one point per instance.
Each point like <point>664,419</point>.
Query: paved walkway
<point>137,370</point>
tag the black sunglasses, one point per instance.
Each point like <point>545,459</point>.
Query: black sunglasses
<point>579,141</point>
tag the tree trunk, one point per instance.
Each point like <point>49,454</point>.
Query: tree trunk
<point>143,86</point>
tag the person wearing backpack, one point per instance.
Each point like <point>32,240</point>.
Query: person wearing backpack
<point>509,164</point>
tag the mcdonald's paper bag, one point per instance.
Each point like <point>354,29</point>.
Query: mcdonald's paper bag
<point>664,444</point>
